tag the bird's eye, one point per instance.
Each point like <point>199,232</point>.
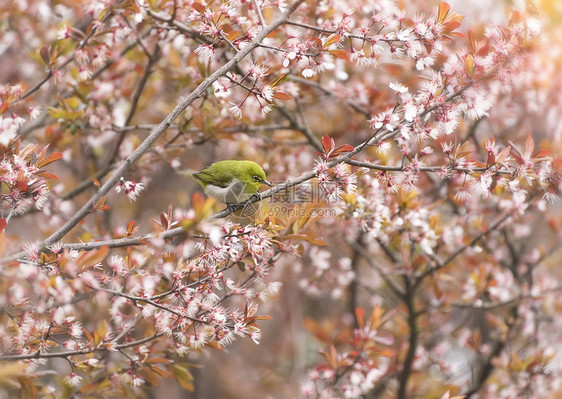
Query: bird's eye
<point>257,178</point>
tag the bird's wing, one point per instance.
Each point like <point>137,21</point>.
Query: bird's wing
<point>209,178</point>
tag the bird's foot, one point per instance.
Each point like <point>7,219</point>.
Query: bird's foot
<point>255,197</point>
<point>231,208</point>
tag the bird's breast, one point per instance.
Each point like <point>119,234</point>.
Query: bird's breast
<point>234,193</point>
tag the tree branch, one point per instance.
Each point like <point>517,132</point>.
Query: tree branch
<point>38,355</point>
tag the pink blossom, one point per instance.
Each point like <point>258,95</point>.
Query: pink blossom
<point>131,188</point>
<point>206,52</point>
<point>72,379</point>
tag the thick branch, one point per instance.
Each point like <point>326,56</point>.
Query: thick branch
<point>413,341</point>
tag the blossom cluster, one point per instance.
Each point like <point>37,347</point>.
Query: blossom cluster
<point>23,181</point>
<point>185,299</point>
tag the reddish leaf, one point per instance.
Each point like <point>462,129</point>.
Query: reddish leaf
<point>437,291</point>
<point>100,205</point>
<point>316,41</point>
<point>332,40</point>
<point>281,95</point>
<point>164,220</point>
<point>55,156</point>
<point>197,201</point>
<point>4,106</point>
<point>44,53</point>
<point>502,156</point>
<point>469,65</point>
<point>542,153</point>
<point>296,236</point>
<point>450,26</point>
<point>92,258</point>
<point>151,374</point>
<point>557,163</point>
<point>263,318</point>
<point>529,145</point>
<point>88,335</point>
<point>232,36</point>
<point>360,316</point>
<point>20,185</point>
<point>273,34</point>
<point>472,41</point>
<point>170,212</point>
<point>333,356</point>
<point>3,224</point>
<point>48,175</point>
<point>316,241</point>
<point>99,334</point>
<point>428,46</point>
<point>455,17</point>
<point>199,7</point>
<point>96,182</point>
<point>43,153</point>
<point>463,150</point>
<point>327,143</point>
<point>340,54</point>
<point>491,159</point>
<point>457,34</point>
<point>54,55</point>
<point>443,11</point>
<point>483,51</point>
<point>344,148</point>
<point>167,256</point>
<point>276,81</point>
<point>376,318</point>
<point>131,228</point>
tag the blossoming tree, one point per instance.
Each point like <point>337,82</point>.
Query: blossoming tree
<point>405,250</point>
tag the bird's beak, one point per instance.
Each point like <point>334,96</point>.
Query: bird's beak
<point>266,182</point>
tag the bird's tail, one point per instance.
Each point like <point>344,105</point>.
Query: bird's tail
<point>187,172</point>
<point>193,174</point>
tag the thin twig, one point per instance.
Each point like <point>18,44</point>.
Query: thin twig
<point>152,59</point>
<point>442,264</point>
<point>80,46</point>
<point>40,120</point>
<point>258,11</point>
<point>324,90</point>
<point>431,169</point>
<point>391,284</point>
<point>150,302</point>
<point>39,355</point>
<point>305,130</point>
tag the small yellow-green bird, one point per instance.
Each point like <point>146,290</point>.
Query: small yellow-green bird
<point>231,181</point>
